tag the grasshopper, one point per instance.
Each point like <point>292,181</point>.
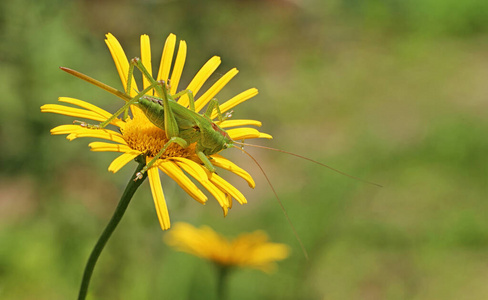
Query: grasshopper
<point>183,126</point>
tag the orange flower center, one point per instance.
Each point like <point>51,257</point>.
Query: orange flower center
<point>140,134</point>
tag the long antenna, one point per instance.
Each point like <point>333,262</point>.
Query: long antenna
<point>305,253</point>
<point>309,159</point>
<point>100,84</point>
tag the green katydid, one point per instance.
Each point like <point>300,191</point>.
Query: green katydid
<point>182,125</point>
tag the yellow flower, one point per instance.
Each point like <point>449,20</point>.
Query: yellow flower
<point>138,136</point>
<point>250,250</point>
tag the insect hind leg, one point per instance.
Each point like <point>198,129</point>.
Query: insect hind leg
<point>171,141</point>
<point>214,104</point>
<point>191,99</point>
<point>118,112</point>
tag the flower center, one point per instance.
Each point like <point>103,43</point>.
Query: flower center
<point>142,135</point>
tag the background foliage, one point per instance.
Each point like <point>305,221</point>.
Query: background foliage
<point>391,91</point>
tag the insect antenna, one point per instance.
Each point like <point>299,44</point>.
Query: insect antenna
<point>309,159</point>
<point>100,84</point>
<point>305,253</point>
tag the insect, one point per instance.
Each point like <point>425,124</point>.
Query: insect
<point>182,125</point>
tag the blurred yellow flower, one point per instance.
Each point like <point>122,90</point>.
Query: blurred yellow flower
<point>251,250</point>
<point>138,136</point>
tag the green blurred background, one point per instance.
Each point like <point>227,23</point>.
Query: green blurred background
<point>391,91</point>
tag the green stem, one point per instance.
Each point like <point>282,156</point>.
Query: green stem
<point>221,281</point>
<point>112,224</point>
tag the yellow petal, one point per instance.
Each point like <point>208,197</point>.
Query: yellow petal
<point>229,200</point>
<point>92,108</point>
<point>246,95</point>
<point>81,113</point>
<point>200,78</point>
<point>167,57</point>
<point>86,105</point>
<point>263,135</point>
<point>225,209</point>
<point>214,190</point>
<point>214,89</point>
<point>196,168</point>
<point>247,250</point>
<point>137,113</point>
<point>224,163</point>
<point>72,112</point>
<point>246,133</point>
<point>122,160</point>
<point>225,186</point>
<point>104,147</point>
<point>200,242</point>
<point>76,131</point>
<point>235,123</point>
<point>158,196</point>
<point>271,251</point>
<point>146,60</point>
<point>102,134</point>
<point>64,129</point>
<point>178,67</point>
<point>173,171</point>
<point>121,62</point>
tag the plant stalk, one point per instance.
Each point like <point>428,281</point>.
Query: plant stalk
<point>223,274</point>
<point>110,228</point>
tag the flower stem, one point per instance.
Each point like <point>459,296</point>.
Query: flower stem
<point>223,272</point>
<point>112,224</point>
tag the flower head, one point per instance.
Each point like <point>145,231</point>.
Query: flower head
<point>137,136</point>
<point>250,250</point>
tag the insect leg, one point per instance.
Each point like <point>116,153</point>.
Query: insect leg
<point>170,126</point>
<point>179,94</point>
<point>206,161</point>
<point>128,89</point>
<point>138,64</point>
<point>118,112</point>
<point>190,97</point>
<point>172,140</point>
<point>214,104</point>
<point>163,91</point>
